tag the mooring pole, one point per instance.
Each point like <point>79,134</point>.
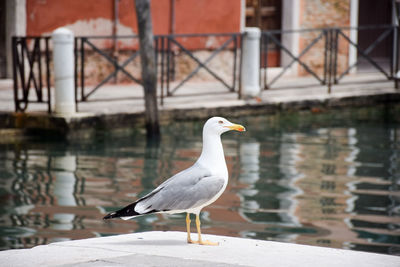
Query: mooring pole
<point>149,67</point>
<point>63,59</point>
<point>251,63</point>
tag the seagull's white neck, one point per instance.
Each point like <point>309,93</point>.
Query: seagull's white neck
<point>212,155</point>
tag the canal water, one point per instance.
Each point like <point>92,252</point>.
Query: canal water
<point>324,178</point>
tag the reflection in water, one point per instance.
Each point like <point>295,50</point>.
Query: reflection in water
<point>250,174</point>
<point>64,168</point>
<point>313,181</point>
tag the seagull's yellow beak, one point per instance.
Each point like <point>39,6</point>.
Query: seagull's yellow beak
<point>236,127</point>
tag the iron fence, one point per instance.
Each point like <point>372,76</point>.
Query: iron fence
<point>169,46</point>
<point>32,60</point>
<point>82,45</point>
<point>31,71</point>
<point>387,32</point>
<point>167,49</point>
<point>326,43</point>
<point>272,40</point>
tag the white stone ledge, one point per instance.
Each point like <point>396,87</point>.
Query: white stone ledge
<point>171,249</point>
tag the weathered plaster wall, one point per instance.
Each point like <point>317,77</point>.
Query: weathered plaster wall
<point>95,17</point>
<point>322,14</point>
<point>97,68</point>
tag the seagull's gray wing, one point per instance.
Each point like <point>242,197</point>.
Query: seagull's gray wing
<point>188,189</point>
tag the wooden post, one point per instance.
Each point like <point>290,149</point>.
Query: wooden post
<point>149,74</point>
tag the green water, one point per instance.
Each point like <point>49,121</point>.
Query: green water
<point>328,179</point>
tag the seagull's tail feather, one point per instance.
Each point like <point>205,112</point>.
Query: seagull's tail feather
<point>110,216</point>
<point>128,211</point>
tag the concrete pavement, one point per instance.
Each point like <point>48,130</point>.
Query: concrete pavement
<point>128,98</point>
<point>171,249</point>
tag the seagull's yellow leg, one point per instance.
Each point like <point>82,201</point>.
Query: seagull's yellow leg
<point>189,240</point>
<point>201,242</point>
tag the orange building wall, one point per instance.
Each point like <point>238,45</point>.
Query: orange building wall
<point>95,17</point>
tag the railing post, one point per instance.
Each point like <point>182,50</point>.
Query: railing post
<point>251,63</point>
<point>397,59</point>
<point>330,58</point>
<point>15,72</point>
<point>63,58</point>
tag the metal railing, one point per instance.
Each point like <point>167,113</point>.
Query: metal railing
<point>327,42</point>
<point>388,31</point>
<point>31,71</point>
<point>30,53</point>
<point>32,61</point>
<point>169,46</point>
<point>82,45</point>
<point>272,38</point>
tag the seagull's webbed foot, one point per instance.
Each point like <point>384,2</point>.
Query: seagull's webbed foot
<point>200,241</point>
<point>203,242</point>
<point>207,243</point>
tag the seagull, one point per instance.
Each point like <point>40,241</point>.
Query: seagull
<point>191,189</point>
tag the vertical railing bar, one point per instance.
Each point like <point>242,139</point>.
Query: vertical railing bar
<point>395,56</point>
<point>168,59</point>
<point>15,75</point>
<point>25,91</point>
<point>260,59</point>
<point>156,60</point>
<point>76,73</point>
<point>391,61</point>
<point>397,59</point>
<point>336,47</point>
<point>240,66</point>
<point>22,72</point>
<point>326,56</point>
<point>48,73</point>
<point>263,67</point>
<point>330,62</point>
<point>83,69</point>
<point>234,63</point>
<point>397,44</point>
<point>162,69</point>
<point>172,62</point>
<point>40,68</point>
<point>266,40</point>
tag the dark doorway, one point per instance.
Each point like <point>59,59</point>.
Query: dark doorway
<point>3,56</point>
<point>266,15</point>
<point>372,12</point>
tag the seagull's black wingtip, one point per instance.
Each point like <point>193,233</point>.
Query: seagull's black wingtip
<point>110,216</point>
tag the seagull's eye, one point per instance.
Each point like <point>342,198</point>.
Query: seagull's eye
<point>220,122</point>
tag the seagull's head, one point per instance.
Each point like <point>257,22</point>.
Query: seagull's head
<point>219,125</point>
